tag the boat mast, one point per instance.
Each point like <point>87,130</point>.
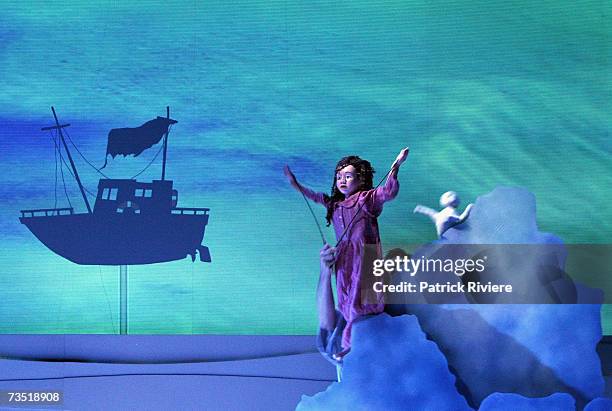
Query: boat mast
<point>163,177</point>
<point>76,174</point>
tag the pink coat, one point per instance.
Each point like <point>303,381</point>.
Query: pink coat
<point>362,208</point>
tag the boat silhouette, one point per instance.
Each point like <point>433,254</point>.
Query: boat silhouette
<point>132,222</point>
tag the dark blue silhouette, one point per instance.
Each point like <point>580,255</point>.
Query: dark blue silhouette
<point>132,222</point>
<point>134,141</point>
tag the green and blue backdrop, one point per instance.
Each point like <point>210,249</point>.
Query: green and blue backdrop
<point>484,93</point>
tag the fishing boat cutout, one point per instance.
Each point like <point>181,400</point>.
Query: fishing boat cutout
<point>132,222</point>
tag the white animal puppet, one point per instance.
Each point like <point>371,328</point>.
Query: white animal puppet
<point>447,217</point>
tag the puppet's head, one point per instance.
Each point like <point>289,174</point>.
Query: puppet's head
<point>361,175</point>
<point>449,199</point>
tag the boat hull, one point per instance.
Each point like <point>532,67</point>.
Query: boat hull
<point>121,239</point>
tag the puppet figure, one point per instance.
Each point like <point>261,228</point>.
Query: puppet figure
<point>353,207</point>
<point>447,217</point>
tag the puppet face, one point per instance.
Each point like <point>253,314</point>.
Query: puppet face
<point>347,181</point>
<point>449,199</point>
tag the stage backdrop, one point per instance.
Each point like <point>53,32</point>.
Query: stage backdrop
<point>485,94</point>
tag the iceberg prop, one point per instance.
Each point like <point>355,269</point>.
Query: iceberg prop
<point>599,404</point>
<point>513,402</point>
<point>541,356</point>
<point>531,350</point>
<point>391,366</point>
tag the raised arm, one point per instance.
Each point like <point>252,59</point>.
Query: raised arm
<point>376,198</point>
<point>399,160</point>
<point>466,213</point>
<point>320,198</point>
<point>429,212</point>
<point>391,187</point>
<point>325,296</point>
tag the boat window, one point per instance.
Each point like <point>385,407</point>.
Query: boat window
<point>144,192</point>
<point>120,209</point>
<point>109,193</point>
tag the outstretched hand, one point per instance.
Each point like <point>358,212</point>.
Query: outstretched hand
<point>290,176</point>
<point>401,157</point>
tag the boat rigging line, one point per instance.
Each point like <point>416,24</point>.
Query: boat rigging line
<point>83,157</point>
<point>59,127</point>
<point>72,174</point>
<point>100,172</point>
<point>55,156</point>
<point>59,152</point>
<point>150,162</point>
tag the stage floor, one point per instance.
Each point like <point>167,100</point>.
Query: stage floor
<point>175,372</point>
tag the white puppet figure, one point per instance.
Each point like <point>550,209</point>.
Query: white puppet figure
<point>447,217</point>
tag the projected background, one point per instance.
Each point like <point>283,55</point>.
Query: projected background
<point>485,94</point>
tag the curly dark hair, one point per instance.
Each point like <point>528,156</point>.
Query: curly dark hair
<point>365,173</point>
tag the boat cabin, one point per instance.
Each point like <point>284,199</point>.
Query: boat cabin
<point>131,196</point>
